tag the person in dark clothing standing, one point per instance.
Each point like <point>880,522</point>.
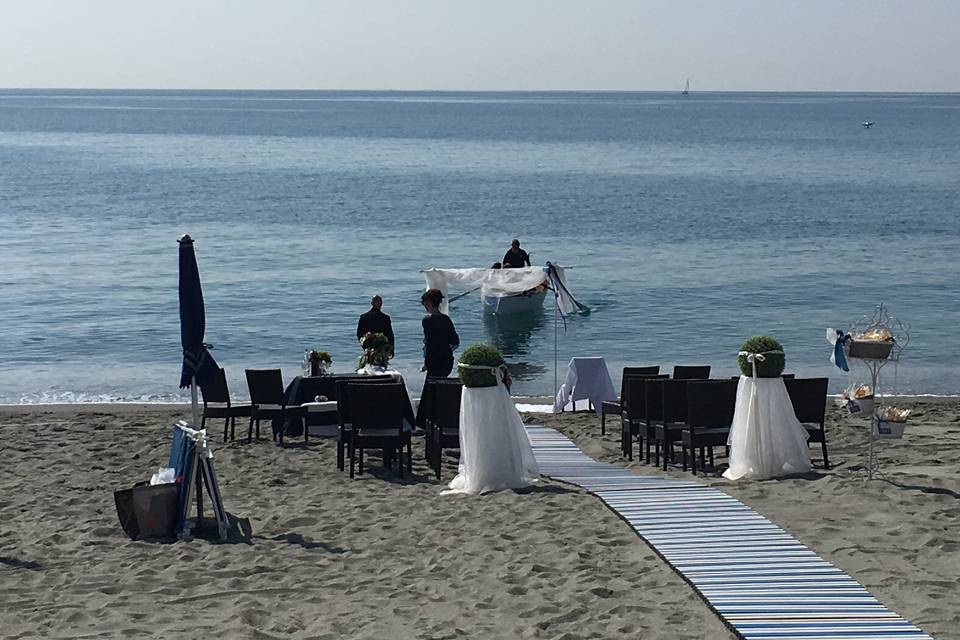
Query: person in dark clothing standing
<point>376,321</point>
<point>439,337</point>
<point>515,256</point>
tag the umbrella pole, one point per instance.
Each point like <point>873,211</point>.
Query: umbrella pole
<point>556,329</point>
<point>196,404</point>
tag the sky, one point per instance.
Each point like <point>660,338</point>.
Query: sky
<point>644,45</point>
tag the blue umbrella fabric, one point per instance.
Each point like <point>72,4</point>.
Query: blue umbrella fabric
<point>197,361</point>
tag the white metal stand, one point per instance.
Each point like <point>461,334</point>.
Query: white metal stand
<point>879,319</point>
<point>872,464</point>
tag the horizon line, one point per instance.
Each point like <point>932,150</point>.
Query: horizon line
<point>368,90</point>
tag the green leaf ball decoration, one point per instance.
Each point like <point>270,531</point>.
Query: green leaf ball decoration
<point>479,354</point>
<point>773,363</point>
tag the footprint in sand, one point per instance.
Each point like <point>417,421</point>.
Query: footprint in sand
<point>300,522</point>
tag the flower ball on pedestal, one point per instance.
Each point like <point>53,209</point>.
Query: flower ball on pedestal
<point>479,366</point>
<point>767,355</point>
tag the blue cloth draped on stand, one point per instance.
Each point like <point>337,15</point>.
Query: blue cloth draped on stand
<point>182,458</point>
<point>839,339</point>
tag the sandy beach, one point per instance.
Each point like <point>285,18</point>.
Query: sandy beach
<point>380,557</point>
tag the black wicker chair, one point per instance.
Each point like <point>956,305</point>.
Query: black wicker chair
<point>268,402</point>
<point>217,404</point>
<point>615,408</point>
<point>375,412</point>
<point>344,423</point>
<point>443,421</point>
<point>809,399</point>
<point>634,413</point>
<point>673,419</point>
<point>710,407</point>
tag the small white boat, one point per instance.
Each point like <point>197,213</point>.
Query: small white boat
<point>506,292</point>
<point>867,124</point>
<point>515,303</point>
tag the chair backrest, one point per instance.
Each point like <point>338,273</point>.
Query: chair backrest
<point>634,400</point>
<point>445,399</point>
<point>376,406</point>
<point>343,400</point>
<point>333,384</point>
<point>215,390</point>
<point>629,372</point>
<point>691,372</point>
<point>710,403</point>
<point>674,403</point>
<point>651,370</point>
<point>265,386</point>
<point>809,398</point>
<point>653,398</point>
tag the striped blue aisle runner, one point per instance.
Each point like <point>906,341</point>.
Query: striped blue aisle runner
<point>759,579</point>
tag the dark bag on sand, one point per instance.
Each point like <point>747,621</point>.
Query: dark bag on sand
<point>148,511</point>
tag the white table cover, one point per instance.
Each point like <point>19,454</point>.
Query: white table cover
<point>378,371</point>
<point>587,379</point>
<point>495,452</point>
<point>766,439</point>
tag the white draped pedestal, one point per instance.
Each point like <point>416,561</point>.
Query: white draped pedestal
<point>495,452</point>
<point>766,439</point>
<point>587,379</point>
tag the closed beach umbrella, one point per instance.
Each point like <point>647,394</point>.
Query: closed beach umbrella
<point>198,365</point>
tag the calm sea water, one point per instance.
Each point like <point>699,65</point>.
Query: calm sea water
<point>692,224</point>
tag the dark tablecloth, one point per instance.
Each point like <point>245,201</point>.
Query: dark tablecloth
<point>306,388</point>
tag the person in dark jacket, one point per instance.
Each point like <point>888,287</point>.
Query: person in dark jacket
<point>376,321</point>
<point>515,256</point>
<point>439,337</point>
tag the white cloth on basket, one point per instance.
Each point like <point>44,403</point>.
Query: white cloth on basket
<point>766,439</point>
<point>495,451</point>
<point>587,379</point>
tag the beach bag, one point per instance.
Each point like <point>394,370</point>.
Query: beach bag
<point>148,511</point>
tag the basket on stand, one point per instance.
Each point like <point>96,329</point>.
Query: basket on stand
<point>860,406</point>
<point>888,429</point>
<point>869,349</point>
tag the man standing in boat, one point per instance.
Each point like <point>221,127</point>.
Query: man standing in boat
<point>515,256</point>
<point>375,321</point>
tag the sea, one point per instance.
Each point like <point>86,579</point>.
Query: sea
<point>689,224</point>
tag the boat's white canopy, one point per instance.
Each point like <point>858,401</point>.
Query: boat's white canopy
<point>500,282</point>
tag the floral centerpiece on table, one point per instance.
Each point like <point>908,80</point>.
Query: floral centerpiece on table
<point>479,364</point>
<point>376,351</point>
<point>319,362</point>
<point>761,356</point>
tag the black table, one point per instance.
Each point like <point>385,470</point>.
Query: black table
<point>306,388</point>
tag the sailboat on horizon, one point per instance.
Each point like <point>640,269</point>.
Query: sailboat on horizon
<point>686,88</point>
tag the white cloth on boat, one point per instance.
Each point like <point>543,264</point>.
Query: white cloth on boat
<point>495,452</point>
<point>587,379</point>
<point>492,282</point>
<point>766,439</point>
